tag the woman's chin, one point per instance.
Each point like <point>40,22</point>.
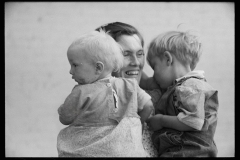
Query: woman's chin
<point>137,77</point>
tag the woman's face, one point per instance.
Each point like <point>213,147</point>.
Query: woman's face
<point>134,58</point>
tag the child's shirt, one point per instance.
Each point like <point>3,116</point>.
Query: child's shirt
<point>103,120</point>
<point>195,103</point>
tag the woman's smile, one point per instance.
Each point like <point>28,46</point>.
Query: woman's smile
<point>132,73</point>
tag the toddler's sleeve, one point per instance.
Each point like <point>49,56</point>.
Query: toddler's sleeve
<point>190,104</point>
<point>155,95</point>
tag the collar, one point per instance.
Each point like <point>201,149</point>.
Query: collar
<point>198,74</point>
<point>107,79</point>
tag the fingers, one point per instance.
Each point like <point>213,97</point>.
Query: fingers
<point>148,119</point>
<point>148,124</point>
<point>150,128</point>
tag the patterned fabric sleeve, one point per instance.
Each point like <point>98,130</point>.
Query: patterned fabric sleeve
<point>190,103</point>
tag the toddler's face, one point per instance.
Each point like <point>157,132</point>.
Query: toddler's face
<point>82,71</point>
<point>133,57</point>
<point>162,73</point>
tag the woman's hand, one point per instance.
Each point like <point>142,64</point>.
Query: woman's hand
<point>154,122</point>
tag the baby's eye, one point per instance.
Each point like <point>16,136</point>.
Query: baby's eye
<point>126,53</point>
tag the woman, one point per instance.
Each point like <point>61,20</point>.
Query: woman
<point>131,41</point>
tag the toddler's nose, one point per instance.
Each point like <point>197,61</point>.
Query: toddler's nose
<point>71,71</point>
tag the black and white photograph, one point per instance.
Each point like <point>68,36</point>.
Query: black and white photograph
<point>119,79</point>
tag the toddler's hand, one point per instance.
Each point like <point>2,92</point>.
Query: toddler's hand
<point>154,122</point>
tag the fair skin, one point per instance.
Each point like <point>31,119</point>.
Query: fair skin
<point>133,57</point>
<point>166,70</point>
<point>84,71</point>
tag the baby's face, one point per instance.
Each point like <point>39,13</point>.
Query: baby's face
<point>82,71</point>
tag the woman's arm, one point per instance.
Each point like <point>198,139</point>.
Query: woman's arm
<point>159,121</point>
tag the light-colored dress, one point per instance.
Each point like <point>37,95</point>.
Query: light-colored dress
<point>147,141</point>
<point>122,140</point>
<point>103,120</point>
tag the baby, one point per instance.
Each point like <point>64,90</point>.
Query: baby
<point>104,113</point>
<point>185,118</point>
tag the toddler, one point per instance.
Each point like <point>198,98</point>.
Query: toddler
<point>103,112</point>
<point>186,116</point>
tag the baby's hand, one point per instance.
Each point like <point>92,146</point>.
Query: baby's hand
<point>154,122</point>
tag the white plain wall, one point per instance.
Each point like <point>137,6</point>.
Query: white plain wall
<point>37,79</point>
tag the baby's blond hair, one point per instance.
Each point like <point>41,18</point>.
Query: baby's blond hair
<point>100,46</point>
<point>185,46</point>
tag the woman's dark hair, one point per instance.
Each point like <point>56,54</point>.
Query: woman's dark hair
<point>116,29</point>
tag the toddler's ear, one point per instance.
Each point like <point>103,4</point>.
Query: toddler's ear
<point>99,67</point>
<point>168,57</point>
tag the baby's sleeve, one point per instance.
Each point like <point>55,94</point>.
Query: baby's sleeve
<point>142,97</point>
<point>190,104</point>
<point>68,110</point>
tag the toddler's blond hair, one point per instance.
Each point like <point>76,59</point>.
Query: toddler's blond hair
<point>185,46</point>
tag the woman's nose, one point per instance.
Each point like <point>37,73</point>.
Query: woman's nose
<point>134,60</point>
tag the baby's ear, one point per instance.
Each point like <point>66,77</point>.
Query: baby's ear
<point>99,67</point>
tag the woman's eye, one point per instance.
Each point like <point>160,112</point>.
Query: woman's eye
<point>141,53</point>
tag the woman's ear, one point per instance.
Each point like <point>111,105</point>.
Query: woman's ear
<point>99,67</point>
<point>168,57</point>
